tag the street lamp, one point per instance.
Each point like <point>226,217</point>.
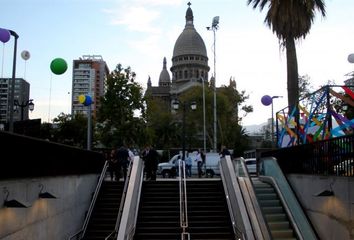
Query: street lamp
<point>268,100</point>
<point>193,106</point>
<point>23,105</point>
<point>12,95</point>
<point>214,27</point>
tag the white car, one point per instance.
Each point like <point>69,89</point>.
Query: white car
<point>251,164</point>
<point>166,169</point>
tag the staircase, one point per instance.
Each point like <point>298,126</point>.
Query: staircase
<point>105,211</point>
<point>208,215</point>
<point>158,216</point>
<point>273,211</point>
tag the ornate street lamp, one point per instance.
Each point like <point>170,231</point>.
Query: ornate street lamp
<point>175,106</point>
<point>29,103</point>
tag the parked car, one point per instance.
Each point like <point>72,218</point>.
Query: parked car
<point>211,167</point>
<point>344,168</point>
<point>251,164</point>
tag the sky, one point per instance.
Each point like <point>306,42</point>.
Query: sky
<point>140,33</point>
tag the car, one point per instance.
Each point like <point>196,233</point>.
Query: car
<point>344,168</point>
<point>251,164</point>
<point>211,167</point>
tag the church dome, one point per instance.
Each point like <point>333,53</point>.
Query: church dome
<point>165,78</point>
<point>189,41</point>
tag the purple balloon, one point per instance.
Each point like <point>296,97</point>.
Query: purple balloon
<point>4,35</point>
<point>266,100</point>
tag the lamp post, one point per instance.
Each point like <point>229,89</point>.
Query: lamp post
<point>12,95</point>
<point>273,118</point>
<point>266,101</point>
<point>175,106</point>
<point>204,124</point>
<point>23,105</point>
<point>214,27</point>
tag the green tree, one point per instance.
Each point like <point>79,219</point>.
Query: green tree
<point>290,20</point>
<point>71,130</point>
<point>117,123</point>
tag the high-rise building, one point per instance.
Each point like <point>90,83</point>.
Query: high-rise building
<point>21,96</point>
<point>89,78</point>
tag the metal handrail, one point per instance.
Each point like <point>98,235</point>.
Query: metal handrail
<point>122,200</point>
<point>82,231</point>
<point>183,200</point>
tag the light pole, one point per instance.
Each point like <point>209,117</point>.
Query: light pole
<point>204,124</point>
<point>214,27</point>
<point>23,105</point>
<point>273,118</point>
<point>266,101</point>
<point>12,95</point>
<point>175,106</point>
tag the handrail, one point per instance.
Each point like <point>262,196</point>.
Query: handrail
<point>183,200</point>
<point>81,233</point>
<point>131,207</point>
<point>236,204</point>
<point>258,219</point>
<point>271,181</point>
<point>122,200</point>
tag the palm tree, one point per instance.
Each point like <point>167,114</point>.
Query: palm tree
<point>290,20</point>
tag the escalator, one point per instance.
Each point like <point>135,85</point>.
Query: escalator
<point>208,216</point>
<point>159,211</point>
<point>273,211</point>
<point>267,201</point>
<point>105,211</point>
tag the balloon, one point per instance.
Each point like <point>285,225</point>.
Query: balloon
<point>88,100</point>
<point>266,100</point>
<point>58,66</point>
<point>4,35</point>
<point>82,99</point>
<point>85,99</point>
<point>351,58</point>
<point>25,55</point>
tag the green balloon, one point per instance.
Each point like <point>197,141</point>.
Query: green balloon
<point>58,66</point>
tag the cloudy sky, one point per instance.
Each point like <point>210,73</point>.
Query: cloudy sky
<point>140,33</point>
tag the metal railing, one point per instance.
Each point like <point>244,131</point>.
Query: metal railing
<point>81,233</point>
<point>332,157</point>
<point>183,200</point>
<point>114,233</point>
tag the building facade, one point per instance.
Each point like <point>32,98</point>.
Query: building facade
<point>89,77</point>
<point>189,65</point>
<point>21,96</point>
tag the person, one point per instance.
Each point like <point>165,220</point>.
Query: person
<point>176,167</point>
<point>199,160</point>
<point>189,165</point>
<point>224,151</point>
<point>123,160</point>
<point>151,162</point>
<point>113,165</point>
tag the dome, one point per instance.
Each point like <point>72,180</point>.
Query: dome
<point>164,75</point>
<point>189,41</point>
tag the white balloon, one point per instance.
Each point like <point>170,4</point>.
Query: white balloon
<point>351,58</point>
<point>25,55</point>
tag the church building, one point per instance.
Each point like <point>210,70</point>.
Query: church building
<point>189,65</point>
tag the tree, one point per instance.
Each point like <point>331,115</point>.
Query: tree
<point>71,130</point>
<point>305,87</point>
<point>290,20</point>
<point>117,123</point>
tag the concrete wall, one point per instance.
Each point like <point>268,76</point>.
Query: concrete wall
<point>45,218</point>
<point>332,217</point>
